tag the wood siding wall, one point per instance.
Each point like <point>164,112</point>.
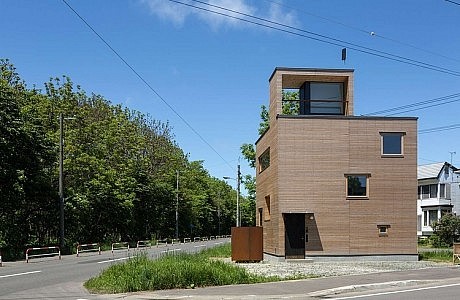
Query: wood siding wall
<point>310,156</point>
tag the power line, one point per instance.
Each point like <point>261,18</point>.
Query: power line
<point>453,2</point>
<point>316,36</point>
<point>438,129</point>
<point>146,83</point>
<point>419,105</point>
<point>367,32</point>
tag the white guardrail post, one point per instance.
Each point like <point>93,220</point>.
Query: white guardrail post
<point>88,248</point>
<point>143,244</point>
<point>120,246</point>
<point>28,256</point>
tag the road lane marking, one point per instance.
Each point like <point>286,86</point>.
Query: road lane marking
<point>397,292</point>
<point>111,260</point>
<point>19,274</point>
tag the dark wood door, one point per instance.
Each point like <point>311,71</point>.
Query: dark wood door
<point>294,225</point>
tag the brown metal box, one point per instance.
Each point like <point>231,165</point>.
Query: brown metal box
<point>247,244</point>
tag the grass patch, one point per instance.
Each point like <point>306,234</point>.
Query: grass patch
<point>436,255</point>
<point>173,271</point>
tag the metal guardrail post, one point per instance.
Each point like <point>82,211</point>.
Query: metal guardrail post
<point>91,249</point>
<point>44,254</point>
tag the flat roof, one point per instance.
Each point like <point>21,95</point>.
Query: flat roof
<point>310,70</point>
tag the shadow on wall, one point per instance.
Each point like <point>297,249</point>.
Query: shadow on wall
<point>312,237</point>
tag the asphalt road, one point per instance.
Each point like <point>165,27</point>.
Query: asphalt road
<point>51,278</point>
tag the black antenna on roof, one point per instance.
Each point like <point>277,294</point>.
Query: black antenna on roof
<point>344,54</point>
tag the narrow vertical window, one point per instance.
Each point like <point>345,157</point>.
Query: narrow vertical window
<point>264,160</point>
<point>442,191</point>
<point>267,208</point>
<point>260,215</point>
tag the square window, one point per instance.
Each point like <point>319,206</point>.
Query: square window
<point>357,186</point>
<point>383,229</point>
<point>392,143</point>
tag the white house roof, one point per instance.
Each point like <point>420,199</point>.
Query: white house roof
<point>429,171</point>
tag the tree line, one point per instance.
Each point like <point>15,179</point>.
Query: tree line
<point>120,172</point>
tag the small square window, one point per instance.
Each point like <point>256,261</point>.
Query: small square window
<point>383,230</point>
<point>392,143</point>
<point>357,186</point>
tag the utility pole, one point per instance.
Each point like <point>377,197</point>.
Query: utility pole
<point>238,216</point>
<point>61,181</point>
<point>238,182</point>
<point>177,204</point>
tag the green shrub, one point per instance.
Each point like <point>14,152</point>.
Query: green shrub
<point>423,241</point>
<point>436,255</point>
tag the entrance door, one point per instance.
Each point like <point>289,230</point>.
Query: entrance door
<point>294,234</point>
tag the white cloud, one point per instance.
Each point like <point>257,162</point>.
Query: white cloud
<point>170,11</point>
<point>177,13</point>
<point>276,14</point>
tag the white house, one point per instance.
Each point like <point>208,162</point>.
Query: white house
<point>438,194</point>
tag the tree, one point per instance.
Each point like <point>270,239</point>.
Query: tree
<point>26,160</point>
<point>446,231</point>
<point>290,107</point>
<point>119,171</point>
<point>264,124</point>
<point>291,104</point>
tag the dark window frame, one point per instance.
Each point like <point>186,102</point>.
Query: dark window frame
<point>306,101</point>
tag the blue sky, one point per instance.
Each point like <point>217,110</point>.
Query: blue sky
<point>214,70</point>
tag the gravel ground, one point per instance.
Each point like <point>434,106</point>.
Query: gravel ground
<point>323,269</point>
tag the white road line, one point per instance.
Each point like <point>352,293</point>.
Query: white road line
<point>112,260</point>
<point>397,292</point>
<point>19,274</point>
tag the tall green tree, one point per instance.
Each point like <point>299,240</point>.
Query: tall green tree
<point>119,171</point>
<point>290,107</point>
<point>26,159</point>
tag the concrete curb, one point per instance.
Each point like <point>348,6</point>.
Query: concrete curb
<point>367,287</point>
